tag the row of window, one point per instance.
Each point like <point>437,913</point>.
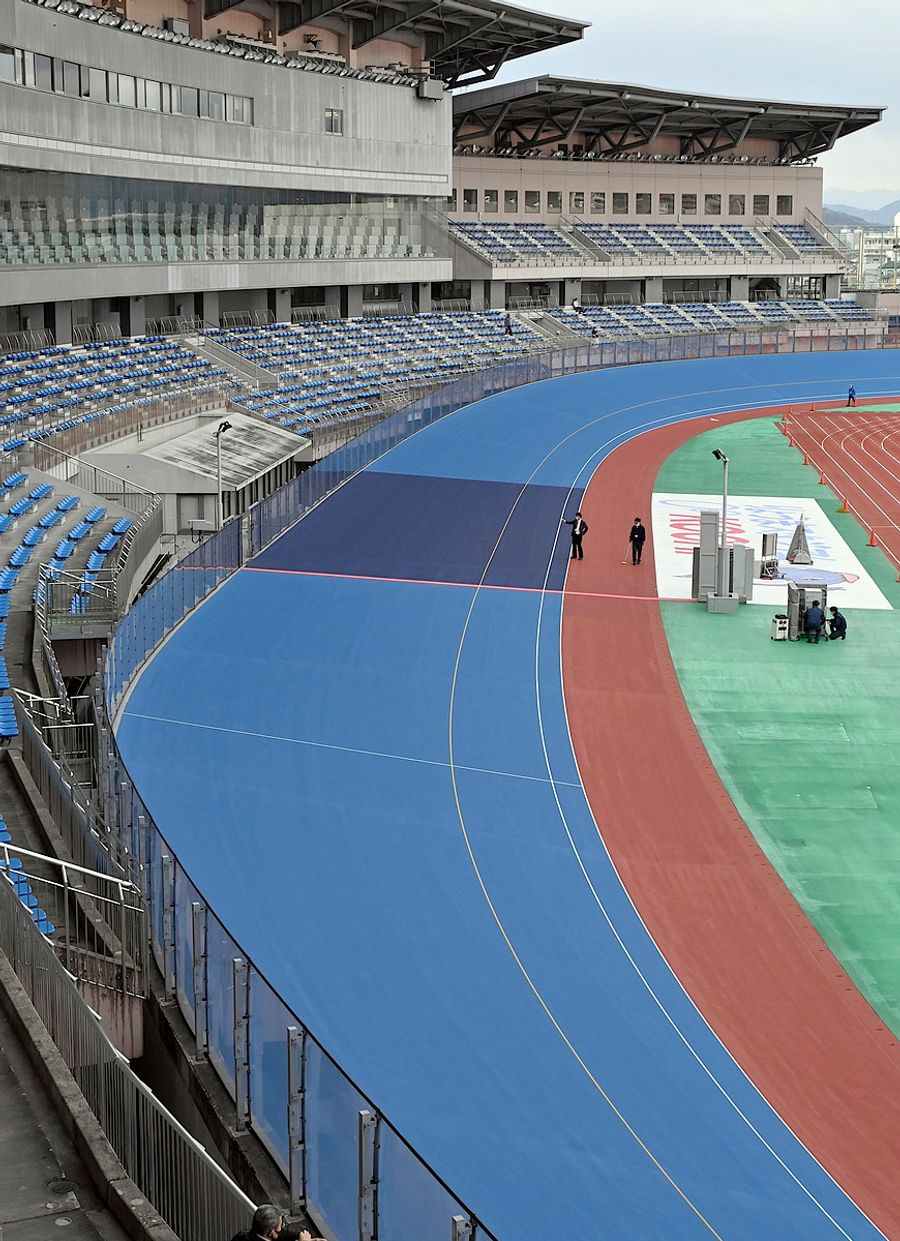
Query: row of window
<point>65,77</point>
<point>620,203</point>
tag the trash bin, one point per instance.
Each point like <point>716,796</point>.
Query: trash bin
<point>779,627</point>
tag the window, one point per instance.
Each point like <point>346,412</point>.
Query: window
<point>492,201</point>
<point>451,202</point>
<point>128,91</point>
<point>7,64</point>
<point>576,202</point>
<point>153,96</point>
<point>784,204</point>
<point>66,77</point>
<point>643,204</point>
<point>760,204</point>
<point>688,204</point>
<point>470,200</point>
<point>511,201</point>
<point>712,204</point>
<point>97,84</point>
<point>554,201</point>
<point>736,204</point>
<point>190,99</point>
<point>619,203</point>
<point>43,72</point>
<point>598,202</point>
<point>666,204</point>
<point>25,68</point>
<point>239,109</point>
<point>334,120</point>
<point>532,202</point>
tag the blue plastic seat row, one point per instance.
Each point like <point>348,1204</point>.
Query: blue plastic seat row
<point>8,725</point>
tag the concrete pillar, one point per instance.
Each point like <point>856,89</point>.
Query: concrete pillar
<point>333,301</point>
<point>137,316</point>
<point>832,285</point>
<point>62,323</point>
<point>282,305</point>
<point>739,288</point>
<point>495,294</point>
<point>424,294</point>
<point>354,300</point>
<point>476,294</point>
<point>653,289</point>
<point>100,310</point>
<point>570,291</point>
<point>31,317</point>
<point>209,308</point>
<point>406,293</point>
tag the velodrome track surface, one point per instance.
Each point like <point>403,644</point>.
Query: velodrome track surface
<point>359,751</point>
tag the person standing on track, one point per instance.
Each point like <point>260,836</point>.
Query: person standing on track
<point>579,530</point>
<point>636,537</point>
<point>851,396</point>
<point>837,625</point>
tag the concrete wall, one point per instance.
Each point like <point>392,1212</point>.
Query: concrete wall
<point>581,176</point>
<point>29,285</point>
<point>393,142</point>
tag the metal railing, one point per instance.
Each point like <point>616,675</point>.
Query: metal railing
<point>30,338</point>
<point>171,1169</point>
<point>99,924</point>
<point>284,1083</point>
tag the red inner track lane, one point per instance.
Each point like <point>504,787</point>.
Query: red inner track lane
<point>857,452</point>
<point>729,927</point>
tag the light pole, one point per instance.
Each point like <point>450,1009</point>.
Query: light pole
<point>722,567</point>
<point>223,427</point>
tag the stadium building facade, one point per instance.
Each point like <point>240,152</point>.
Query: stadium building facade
<point>174,159</point>
<point>170,161</point>
<point>651,195</point>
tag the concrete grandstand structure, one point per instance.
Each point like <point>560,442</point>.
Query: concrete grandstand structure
<point>569,189</point>
<point>258,263</point>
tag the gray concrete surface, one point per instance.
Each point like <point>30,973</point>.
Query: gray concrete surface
<point>45,1190</point>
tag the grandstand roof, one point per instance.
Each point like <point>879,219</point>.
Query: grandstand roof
<point>617,117</point>
<point>465,40</point>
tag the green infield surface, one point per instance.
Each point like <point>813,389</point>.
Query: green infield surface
<point>805,739</point>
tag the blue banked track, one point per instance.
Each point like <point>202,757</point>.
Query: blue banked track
<point>358,750</point>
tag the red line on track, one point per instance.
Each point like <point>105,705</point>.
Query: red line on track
<point>422,581</point>
<point>733,933</point>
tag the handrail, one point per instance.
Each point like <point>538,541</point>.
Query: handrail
<point>173,1171</point>
<point>178,592</point>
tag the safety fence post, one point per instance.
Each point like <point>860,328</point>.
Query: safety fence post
<point>241,974</point>
<point>297,1116</point>
<point>168,920</point>
<point>201,978</point>
<point>369,1139</point>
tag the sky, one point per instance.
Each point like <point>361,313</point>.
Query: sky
<point>808,51</point>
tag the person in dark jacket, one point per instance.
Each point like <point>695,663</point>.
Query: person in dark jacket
<point>851,395</point>
<point>270,1224</point>
<point>813,621</point>
<point>637,536</point>
<point>579,530</point>
<point>837,625</point>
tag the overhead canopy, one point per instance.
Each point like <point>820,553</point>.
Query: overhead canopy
<point>465,40</point>
<point>613,118</point>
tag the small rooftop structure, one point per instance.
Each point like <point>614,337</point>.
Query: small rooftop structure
<point>617,117</point>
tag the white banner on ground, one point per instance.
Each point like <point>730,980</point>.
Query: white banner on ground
<point>676,530</point>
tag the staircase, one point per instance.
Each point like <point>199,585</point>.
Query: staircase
<point>249,373</point>
<point>555,332</point>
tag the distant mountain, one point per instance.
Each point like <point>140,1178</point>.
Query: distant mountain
<point>837,218</point>
<point>884,215</point>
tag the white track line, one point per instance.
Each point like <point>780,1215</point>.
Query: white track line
<point>345,749</point>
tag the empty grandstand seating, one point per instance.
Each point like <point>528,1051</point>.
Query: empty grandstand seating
<point>49,390</point>
<point>653,319</point>
<point>343,367</point>
<point>578,242</point>
<point>119,231</point>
